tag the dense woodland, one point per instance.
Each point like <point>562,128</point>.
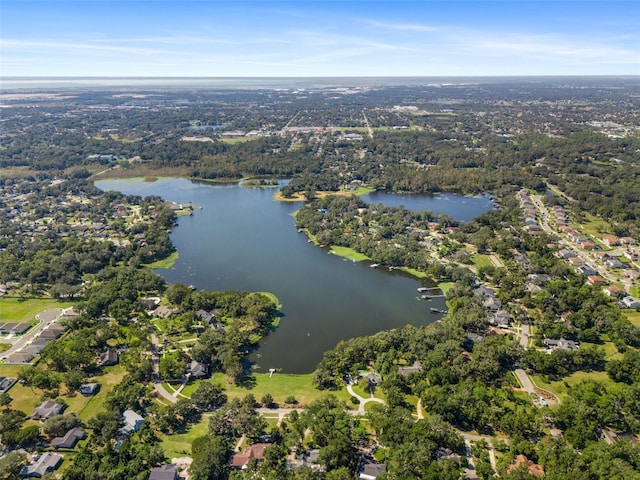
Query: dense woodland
<point>492,137</point>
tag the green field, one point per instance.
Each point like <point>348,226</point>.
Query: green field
<point>164,263</point>
<point>479,260</point>
<point>20,310</point>
<point>560,389</point>
<point>280,386</point>
<point>414,272</point>
<point>179,445</point>
<point>446,286</point>
<point>348,253</point>
<point>634,317</point>
<point>595,226</point>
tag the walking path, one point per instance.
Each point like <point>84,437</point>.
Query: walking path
<point>362,401</point>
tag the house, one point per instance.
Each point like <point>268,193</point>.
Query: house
<point>565,253</point>
<point>614,263</point>
<point>369,469</point>
<point>205,316</point>
<point>501,318</point>
<point>575,261</point>
<point>613,291</point>
<point>89,388</point>
<point>47,409</point>
<point>631,302</point>
<point>132,423</point>
<point>241,460</point>
<point>611,241</point>
<point>628,241</point>
<point>164,311</point>
<point>585,270</point>
<point>588,245</point>
<point>107,357</point>
<point>150,303</point>
<point>197,370</point>
<point>309,459</point>
<point>561,344</point>
<point>492,303</point>
<point>69,439</point>
<point>164,472</point>
<point>48,462</point>
<point>533,468</point>
<point>6,383</point>
<point>415,368</point>
<point>596,280</point>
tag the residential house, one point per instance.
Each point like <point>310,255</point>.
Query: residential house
<point>575,261</point>
<point>309,459</point>
<point>565,253</point>
<point>628,241</point>
<point>47,409</point>
<point>534,469</point>
<point>561,344</point>
<point>415,368</point>
<point>6,383</point>
<point>197,370</point>
<point>501,318</point>
<point>614,291</point>
<point>369,469</point>
<point>611,241</point>
<point>492,303</point>
<point>614,263</point>
<point>164,472</point>
<point>132,423</point>
<point>69,439</point>
<point>596,280</point>
<point>588,245</point>
<point>48,462</point>
<point>107,357</point>
<point>585,270</point>
<point>89,388</point>
<point>150,303</point>
<point>241,460</point>
<point>630,302</point>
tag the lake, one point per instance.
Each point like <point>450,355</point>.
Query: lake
<point>244,240</point>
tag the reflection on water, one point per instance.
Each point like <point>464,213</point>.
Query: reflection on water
<point>242,239</point>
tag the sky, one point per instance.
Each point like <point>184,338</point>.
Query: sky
<point>306,38</point>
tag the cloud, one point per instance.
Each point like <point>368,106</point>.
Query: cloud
<point>404,27</point>
<point>78,47</point>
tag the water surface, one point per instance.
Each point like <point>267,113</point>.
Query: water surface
<point>242,239</point>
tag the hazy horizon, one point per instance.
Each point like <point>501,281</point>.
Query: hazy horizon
<point>363,38</point>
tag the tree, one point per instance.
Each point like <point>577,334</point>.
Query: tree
<point>208,396</point>
<point>267,400</point>
<point>58,425</point>
<point>211,455</point>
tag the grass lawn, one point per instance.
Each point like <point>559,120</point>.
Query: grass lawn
<point>19,310</point>
<point>108,381</point>
<point>414,272</point>
<point>480,260</point>
<point>348,253</point>
<point>595,226</point>
<point>179,445</point>
<point>560,389</point>
<point>165,263</point>
<point>634,291</point>
<point>280,386</point>
<point>446,286</point>
<point>633,316</point>
<point>25,398</point>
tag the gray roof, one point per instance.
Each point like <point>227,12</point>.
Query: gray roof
<point>164,472</point>
<point>48,462</point>
<point>47,409</point>
<point>69,439</point>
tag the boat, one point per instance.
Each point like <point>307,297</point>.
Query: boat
<point>423,290</point>
<point>437,310</point>
<point>374,265</point>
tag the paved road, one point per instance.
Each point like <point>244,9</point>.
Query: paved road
<point>157,385</point>
<point>46,318</point>
<point>362,400</point>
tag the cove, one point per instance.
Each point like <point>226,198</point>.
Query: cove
<point>242,239</point>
